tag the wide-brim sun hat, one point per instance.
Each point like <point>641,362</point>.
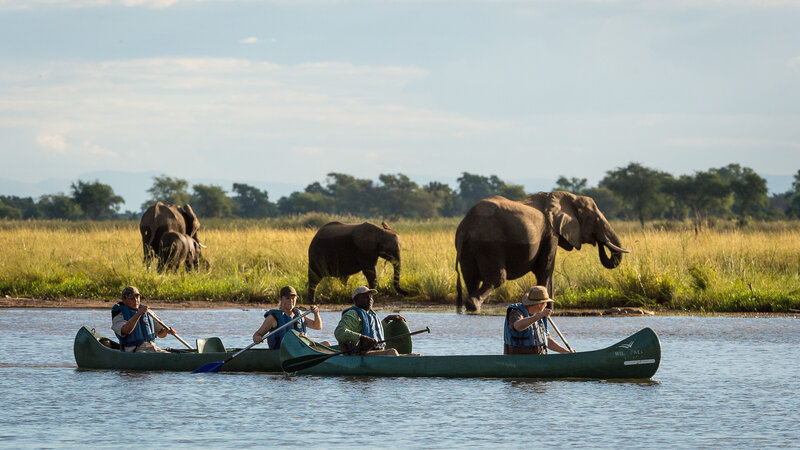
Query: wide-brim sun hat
<point>536,295</point>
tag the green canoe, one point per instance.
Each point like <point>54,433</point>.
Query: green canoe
<point>94,351</point>
<point>635,357</point>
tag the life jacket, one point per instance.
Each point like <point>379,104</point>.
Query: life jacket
<point>274,340</point>
<point>525,338</point>
<point>370,326</point>
<point>143,332</point>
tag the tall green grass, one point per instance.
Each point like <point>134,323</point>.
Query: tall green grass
<point>756,269</point>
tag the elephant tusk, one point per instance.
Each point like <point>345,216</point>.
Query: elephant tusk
<point>202,246</point>
<point>615,248</point>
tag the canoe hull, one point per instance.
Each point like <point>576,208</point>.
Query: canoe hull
<point>91,354</point>
<point>636,357</point>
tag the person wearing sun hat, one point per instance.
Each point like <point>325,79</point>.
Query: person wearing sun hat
<point>285,312</point>
<point>359,329</point>
<point>525,329</point>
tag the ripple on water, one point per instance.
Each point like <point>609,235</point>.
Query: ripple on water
<point>716,375</point>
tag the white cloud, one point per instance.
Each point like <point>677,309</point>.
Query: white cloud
<point>183,111</point>
<point>52,142</point>
<point>250,40</point>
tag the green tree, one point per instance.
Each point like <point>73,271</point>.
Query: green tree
<point>305,202</point>
<point>640,189</point>
<point>210,201</point>
<point>351,195</point>
<point>398,196</point>
<point>251,202</point>
<point>577,186</point>
<point>794,196</point>
<point>172,191</point>
<point>59,206</point>
<point>97,200</point>
<point>9,212</point>
<point>703,193</point>
<point>444,199</point>
<point>26,205</point>
<point>474,188</point>
<point>749,190</point>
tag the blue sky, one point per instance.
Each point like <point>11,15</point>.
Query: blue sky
<point>287,91</point>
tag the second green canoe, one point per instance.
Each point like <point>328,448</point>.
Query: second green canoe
<point>635,357</point>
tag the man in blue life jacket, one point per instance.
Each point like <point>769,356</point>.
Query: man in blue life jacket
<point>286,311</point>
<point>359,329</point>
<point>526,325</point>
<point>134,328</point>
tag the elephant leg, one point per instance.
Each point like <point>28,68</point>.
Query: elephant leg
<point>372,277</point>
<point>477,298</point>
<point>313,281</point>
<point>469,272</point>
<point>543,268</point>
<point>492,274</point>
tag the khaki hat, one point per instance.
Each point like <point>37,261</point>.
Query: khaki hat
<point>536,295</point>
<point>364,290</point>
<point>130,292</point>
<point>287,291</point>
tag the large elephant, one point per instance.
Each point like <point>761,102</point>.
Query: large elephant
<point>162,218</point>
<point>176,249</point>
<point>501,239</point>
<point>341,250</point>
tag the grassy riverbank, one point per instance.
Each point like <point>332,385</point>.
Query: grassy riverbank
<point>745,270</point>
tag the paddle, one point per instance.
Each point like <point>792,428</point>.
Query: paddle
<point>214,366</point>
<point>559,334</point>
<point>161,322</point>
<point>306,361</point>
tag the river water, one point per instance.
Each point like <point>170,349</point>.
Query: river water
<point>722,382</point>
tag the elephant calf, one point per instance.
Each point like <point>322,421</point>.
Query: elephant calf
<point>176,249</point>
<point>341,250</point>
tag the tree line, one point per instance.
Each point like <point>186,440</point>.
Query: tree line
<point>633,192</point>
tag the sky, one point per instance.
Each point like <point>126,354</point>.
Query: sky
<point>286,91</point>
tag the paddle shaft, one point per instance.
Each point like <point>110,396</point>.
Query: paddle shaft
<point>161,322</point>
<point>268,335</point>
<point>559,334</point>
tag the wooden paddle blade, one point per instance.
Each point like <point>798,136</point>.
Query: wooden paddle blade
<point>210,367</point>
<point>304,362</point>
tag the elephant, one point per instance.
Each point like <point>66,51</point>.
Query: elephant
<point>161,218</point>
<point>501,239</point>
<point>178,248</point>
<point>340,250</point>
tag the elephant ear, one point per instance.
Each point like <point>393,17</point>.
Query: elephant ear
<point>564,217</point>
<point>192,224</point>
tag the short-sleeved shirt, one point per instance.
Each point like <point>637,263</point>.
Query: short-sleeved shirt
<point>513,316</point>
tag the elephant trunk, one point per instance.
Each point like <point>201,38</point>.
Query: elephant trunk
<point>610,240</point>
<point>396,279</point>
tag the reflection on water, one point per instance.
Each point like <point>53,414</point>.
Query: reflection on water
<point>716,374</point>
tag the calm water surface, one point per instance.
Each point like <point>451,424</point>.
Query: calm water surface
<point>722,382</point>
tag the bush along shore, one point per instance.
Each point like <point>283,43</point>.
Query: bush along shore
<point>730,269</point>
